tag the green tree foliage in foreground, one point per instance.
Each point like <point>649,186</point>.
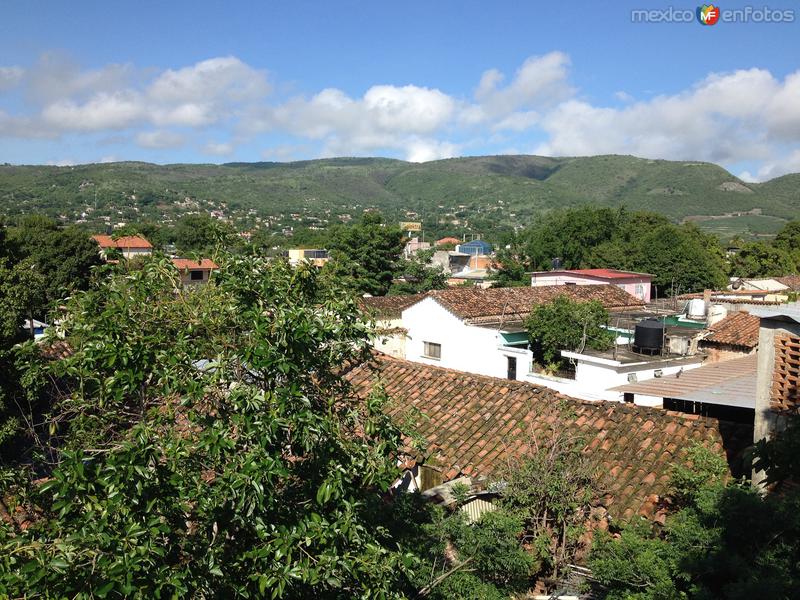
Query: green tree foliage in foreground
<point>566,324</point>
<point>202,444</point>
<point>39,263</point>
<point>727,540</point>
<point>680,257</point>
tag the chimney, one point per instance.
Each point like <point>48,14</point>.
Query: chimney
<point>707,305</point>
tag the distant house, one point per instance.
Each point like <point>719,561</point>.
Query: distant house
<point>37,326</point>
<point>636,284</point>
<point>475,247</point>
<point>194,272</point>
<point>450,261</point>
<point>475,426</point>
<point>734,336</point>
<point>414,245</point>
<point>446,241</point>
<point>481,330</point>
<point>314,256</point>
<point>129,246</point>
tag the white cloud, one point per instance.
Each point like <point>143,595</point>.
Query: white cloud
<point>219,149</point>
<point>539,83</point>
<point>745,117</point>
<point>160,139</point>
<point>724,118</point>
<point>118,97</point>
<point>10,77</point>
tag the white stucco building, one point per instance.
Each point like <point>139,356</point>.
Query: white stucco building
<point>130,246</point>
<point>481,330</point>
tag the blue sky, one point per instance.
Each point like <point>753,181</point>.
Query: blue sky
<point>218,82</point>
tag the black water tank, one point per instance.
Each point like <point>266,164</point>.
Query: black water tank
<point>649,335</point>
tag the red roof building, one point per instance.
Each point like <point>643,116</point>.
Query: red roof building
<point>194,271</point>
<point>636,284</point>
<point>128,245</point>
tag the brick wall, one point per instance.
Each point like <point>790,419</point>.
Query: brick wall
<point>785,393</point>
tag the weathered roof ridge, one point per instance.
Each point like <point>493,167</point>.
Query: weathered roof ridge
<point>476,305</point>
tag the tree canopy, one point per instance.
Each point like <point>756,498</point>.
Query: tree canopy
<point>204,443</point>
<point>365,256</point>
<point>566,324</point>
<point>681,258</point>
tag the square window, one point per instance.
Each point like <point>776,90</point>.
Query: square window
<point>196,276</point>
<point>432,350</point>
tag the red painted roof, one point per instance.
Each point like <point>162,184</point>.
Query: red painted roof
<point>448,240</point>
<point>205,264</point>
<point>604,273</point>
<point>125,242</point>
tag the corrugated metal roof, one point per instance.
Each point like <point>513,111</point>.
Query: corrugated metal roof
<point>728,383</point>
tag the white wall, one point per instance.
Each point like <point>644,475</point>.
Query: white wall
<point>134,252</point>
<point>391,338</point>
<point>464,347</point>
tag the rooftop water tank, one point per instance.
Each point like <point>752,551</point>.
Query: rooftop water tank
<point>696,308</point>
<point>648,335</point>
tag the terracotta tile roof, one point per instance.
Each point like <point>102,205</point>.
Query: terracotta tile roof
<point>790,281</point>
<point>737,329</point>
<point>389,307</point>
<point>479,306</point>
<point>125,242</point>
<point>204,264</point>
<point>473,424</point>
<point>57,350</point>
<point>447,240</point>
<point>603,273</point>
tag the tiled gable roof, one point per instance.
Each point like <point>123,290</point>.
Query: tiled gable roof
<point>737,329</point>
<point>472,424</point>
<point>204,264</point>
<point>790,281</point>
<point>123,243</point>
<point>389,307</point>
<point>477,306</point>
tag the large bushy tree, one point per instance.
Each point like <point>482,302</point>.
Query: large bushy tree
<point>365,256</point>
<point>566,324</point>
<point>204,444</point>
<point>681,257</point>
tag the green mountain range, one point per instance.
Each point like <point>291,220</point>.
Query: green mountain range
<point>471,193</point>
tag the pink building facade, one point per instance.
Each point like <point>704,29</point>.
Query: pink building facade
<point>636,284</point>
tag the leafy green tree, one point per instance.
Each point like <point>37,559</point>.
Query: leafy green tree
<point>511,271</point>
<point>419,275</point>
<point>365,256</point>
<point>680,259</point>
<point>63,256</point>
<point>788,238</point>
<point>205,444</point>
<point>201,234</point>
<point>761,259</point>
<point>727,540</point>
<point>566,324</point>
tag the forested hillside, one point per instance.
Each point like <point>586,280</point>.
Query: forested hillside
<point>477,194</point>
